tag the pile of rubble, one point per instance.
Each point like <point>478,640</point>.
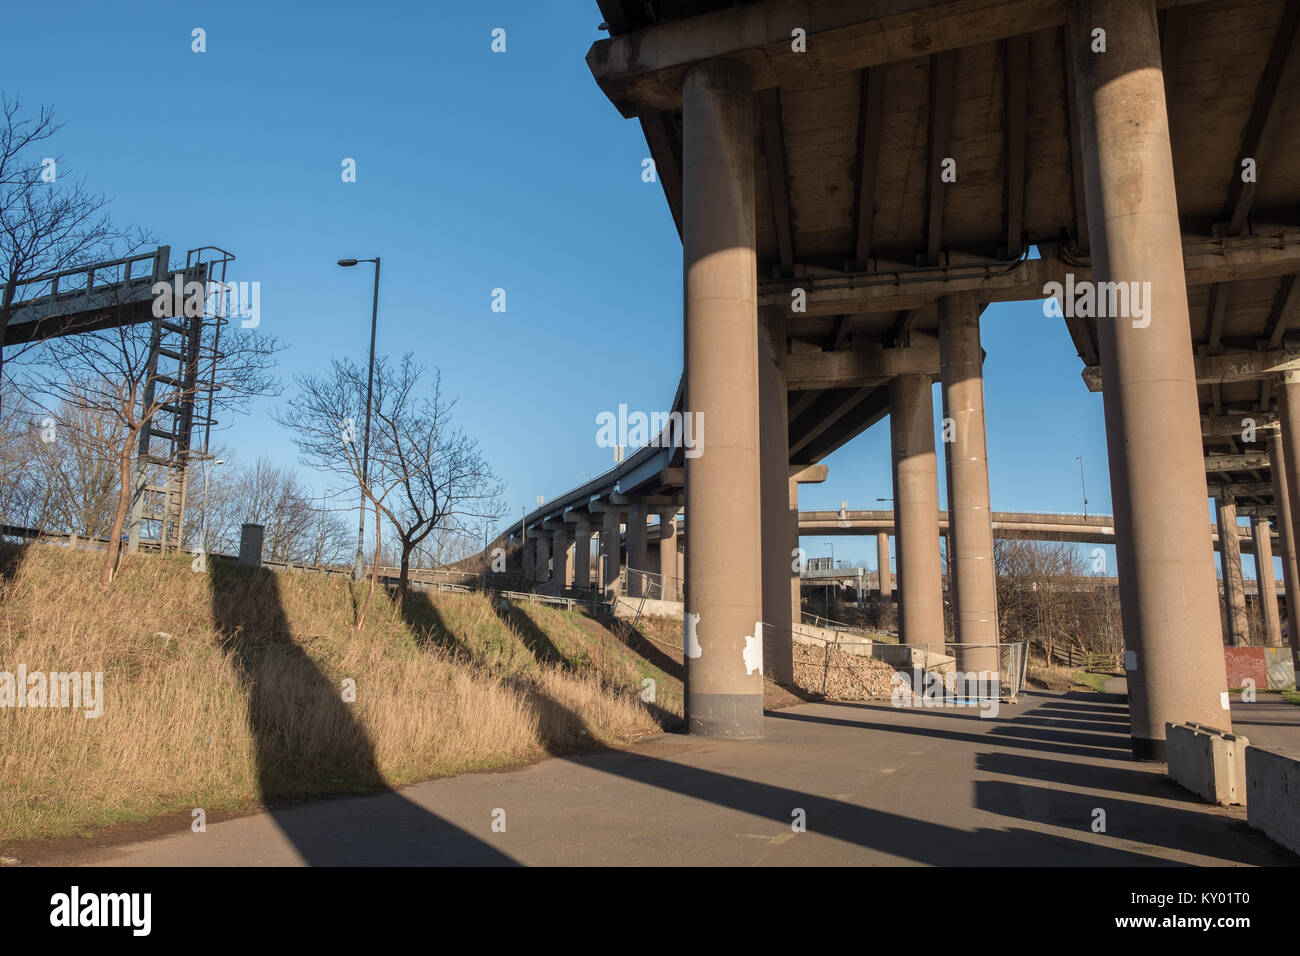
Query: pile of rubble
<point>843,676</point>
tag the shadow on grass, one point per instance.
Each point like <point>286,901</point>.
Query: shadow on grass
<point>307,742</point>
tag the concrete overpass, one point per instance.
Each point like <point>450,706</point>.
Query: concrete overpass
<point>853,184</point>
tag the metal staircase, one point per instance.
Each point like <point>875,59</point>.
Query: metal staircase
<point>180,386</point>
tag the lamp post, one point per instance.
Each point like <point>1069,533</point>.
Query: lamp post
<point>1084,483</point>
<point>358,566</point>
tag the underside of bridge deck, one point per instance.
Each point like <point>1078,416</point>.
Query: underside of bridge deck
<point>892,164</point>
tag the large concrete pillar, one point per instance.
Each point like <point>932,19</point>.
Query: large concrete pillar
<point>1288,407</point>
<point>1286,536</point>
<point>882,563</point>
<point>774,467</point>
<point>543,557</point>
<point>916,511</point>
<point>668,553</point>
<point>971,576</point>
<point>527,551</point>
<point>724,678</point>
<point>1234,588</point>
<point>796,581</point>
<point>1262,534</point>
<point>609,554</point>
<point>582,556</point>
<point>1168,591</point>
<point>636,550</point>
<point>561,568</point>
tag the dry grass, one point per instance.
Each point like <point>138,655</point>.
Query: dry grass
<point>1051,676</point>
<point>224,689</point>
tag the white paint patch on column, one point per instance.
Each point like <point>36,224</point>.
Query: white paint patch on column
<point>1224,702</point>
<point>693,649</point>
<point>753,653</point>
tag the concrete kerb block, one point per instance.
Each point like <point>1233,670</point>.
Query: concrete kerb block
<point>1207,761</point>
<point>1273,795</point>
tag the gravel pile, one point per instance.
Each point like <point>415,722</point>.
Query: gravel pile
<point>843,676</point>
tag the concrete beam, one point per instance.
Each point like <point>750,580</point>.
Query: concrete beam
<point>860,368</point>
<point>1234,426</point>
<point>1206,260</point>
<point>648,68</point>
<point>1225,368</point>
<point>1244,462</point>
<point>1241,489</point>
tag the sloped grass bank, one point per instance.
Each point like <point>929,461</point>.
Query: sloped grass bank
<point>231,687</point>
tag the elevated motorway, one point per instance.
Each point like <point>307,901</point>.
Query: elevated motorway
<point>854,183</point>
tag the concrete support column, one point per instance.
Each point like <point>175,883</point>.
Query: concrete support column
<point>724,678</point>
<point>636,550</point>
<point>668,553</point>
<point>681,568</point>
<point>543,557</point>
<point>526,554</point>
<point>971,575</point>
<point>916,510</point>
<point>561,568</point>
<point>796,582</point>
<point>882,562</point>
<point>1262,534</point>
<point>774,478</point>
<point>1174,645</point>
<point>1288,407</point>
<point>609,548</point>
<point>1286,538</point>
<point>1234,589</point>
<point>582,556</point>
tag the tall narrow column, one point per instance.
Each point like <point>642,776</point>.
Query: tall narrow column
<point>882,563</point>
<point>724,677</point>
<point>1174,645</point>
<point>668,553</point>
<point>582,556</point>
<point>774,467</point>
<point>796,580</point>
<point>609,554</point>
<point>971,576</point>
<point>543,548</point>
<point>526,553</point>
<point>636,550</point>
<point>560,566</point>
<point>1286,537</point>
<point>916,510</point>
<point>1234,589</point>
<point>1262,535</point>
<point>1288,407</point>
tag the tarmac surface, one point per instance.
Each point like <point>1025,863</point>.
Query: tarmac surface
<point>872,784</point>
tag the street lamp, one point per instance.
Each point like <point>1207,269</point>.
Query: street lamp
<point>1084,484</point>
<point>358,566</point>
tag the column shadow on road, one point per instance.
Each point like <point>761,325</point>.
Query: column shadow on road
<point>305,736</point>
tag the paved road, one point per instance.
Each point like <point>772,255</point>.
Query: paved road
<point>877,786</point>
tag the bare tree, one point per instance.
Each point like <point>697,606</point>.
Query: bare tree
<point>440,476</point>
<point>422,474</point>
<point>112,373</point>
<point>47,224</point>
<point>323,417</point>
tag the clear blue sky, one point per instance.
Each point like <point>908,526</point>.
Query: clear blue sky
<point>475,170</point>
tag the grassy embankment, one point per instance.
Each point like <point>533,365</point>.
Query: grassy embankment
<point>224,689</point>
